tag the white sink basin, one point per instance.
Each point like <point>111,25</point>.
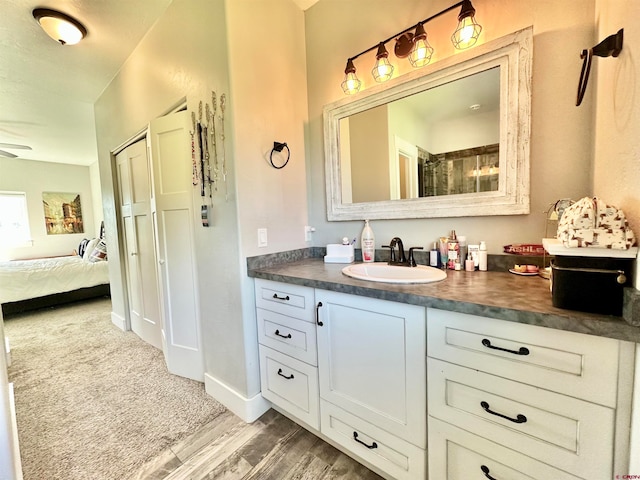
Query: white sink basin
<point>382,272</point>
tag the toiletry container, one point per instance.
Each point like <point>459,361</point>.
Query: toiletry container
<point>462,240</point>
<point>434,254</point>
<point>368,243</point>
<point>453,250</point>
<point>482,257</point>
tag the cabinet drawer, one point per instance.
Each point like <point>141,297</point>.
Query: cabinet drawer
<point>400,460</point>
<point>290,384</point>
<point>455,454</point>
<point>584,366</point>
<point>287,335</point>
<point>292,300</point>
<point>571,434</point>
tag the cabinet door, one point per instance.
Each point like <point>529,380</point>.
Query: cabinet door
<point>372,361</point>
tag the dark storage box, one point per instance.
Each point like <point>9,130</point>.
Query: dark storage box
<point>590,284</point>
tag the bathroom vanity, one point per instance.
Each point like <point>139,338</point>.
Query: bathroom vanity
<point>477,373</point>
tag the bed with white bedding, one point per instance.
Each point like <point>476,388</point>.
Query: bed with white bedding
<point>29,284</point>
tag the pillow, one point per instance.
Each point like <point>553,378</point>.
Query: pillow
<point>99,253</point>
<point>83,246</point>
<point>91,245</point>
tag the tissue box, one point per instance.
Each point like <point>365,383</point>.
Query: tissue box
<point>337,253</point>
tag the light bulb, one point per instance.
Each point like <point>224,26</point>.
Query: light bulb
<point>351,84</point>
<point>468,30</point>
<point>382,70</point>
<point>421,52</point>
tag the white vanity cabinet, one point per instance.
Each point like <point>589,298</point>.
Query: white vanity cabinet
<point>371,362</point>
<point>512,401</point>
<point>287,348</point>
<point>350,368</point>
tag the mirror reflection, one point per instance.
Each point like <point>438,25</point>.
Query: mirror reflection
<point>441,141</point>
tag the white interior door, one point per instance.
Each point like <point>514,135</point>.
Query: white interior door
<point>139,245</point>
<point>174,215</point>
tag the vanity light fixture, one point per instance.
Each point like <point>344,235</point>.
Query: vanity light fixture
<point>59,26</point>
<point>383,69</point>
<point>421,52</point>
<point>351,84</point>
<point>415,46</point>
<point>468,30</point>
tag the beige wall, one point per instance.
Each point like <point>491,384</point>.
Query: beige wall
<point>268,75</point>
<point>33,178</point>
<point>369,137</point>
<point>561,146</point>
<point>253,51</point>
<point>617,117</point>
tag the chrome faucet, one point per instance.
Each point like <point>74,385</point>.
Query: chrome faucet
<point>401,260</point>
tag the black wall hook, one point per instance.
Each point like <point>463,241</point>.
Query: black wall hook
<point>609,47</point>
<point>278,147</point>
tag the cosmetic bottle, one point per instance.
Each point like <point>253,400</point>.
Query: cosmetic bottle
<point>482,257</point>
<point>453,250</point>
<point>469,264</point>
<point>462,240</point>
<point>434,254</point>
<point>444,250</point>
<point>368,243</point>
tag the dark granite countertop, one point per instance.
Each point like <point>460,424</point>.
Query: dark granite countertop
<point>501,295</point>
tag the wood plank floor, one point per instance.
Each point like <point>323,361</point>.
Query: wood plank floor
<point>271,448</point>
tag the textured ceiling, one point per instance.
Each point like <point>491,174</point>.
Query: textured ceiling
<point>47,90</point>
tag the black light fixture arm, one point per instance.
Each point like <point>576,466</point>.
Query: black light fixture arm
<point>409,29</point>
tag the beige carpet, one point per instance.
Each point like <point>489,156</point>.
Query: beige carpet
<point>94,402</point>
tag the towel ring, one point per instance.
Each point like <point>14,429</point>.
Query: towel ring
<point>278,147</point>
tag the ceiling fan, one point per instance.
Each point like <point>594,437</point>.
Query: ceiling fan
<point>11,146</point>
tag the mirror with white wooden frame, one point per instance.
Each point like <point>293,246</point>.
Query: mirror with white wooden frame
<point>449,140</point>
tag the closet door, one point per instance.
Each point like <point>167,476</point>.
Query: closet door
<point>175,217</point>
<point>137,225</point>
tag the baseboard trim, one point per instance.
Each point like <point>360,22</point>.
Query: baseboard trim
<point>118,321</point>
<point>248,409</point>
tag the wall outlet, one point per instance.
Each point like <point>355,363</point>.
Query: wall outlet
<point>262,237</point>
<point>307,233</point>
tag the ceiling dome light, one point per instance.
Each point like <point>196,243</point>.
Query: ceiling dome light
<point>468,30</point>
<point>382,70</point>
<point>62,28</point>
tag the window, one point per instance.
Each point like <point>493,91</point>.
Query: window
<point>14,219</point>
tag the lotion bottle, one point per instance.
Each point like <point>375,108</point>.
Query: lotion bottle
<point>368,243</point>
<point>482,257</point>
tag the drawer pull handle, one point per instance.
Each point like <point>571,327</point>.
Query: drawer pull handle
<point>485,470</point>
<point>286,299</point>
<point>277,332</point>
<point>372,446</point>
<point>290,377</point>
<point>521,351</point>
<point>519,419</point>
<point>318,314</point>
